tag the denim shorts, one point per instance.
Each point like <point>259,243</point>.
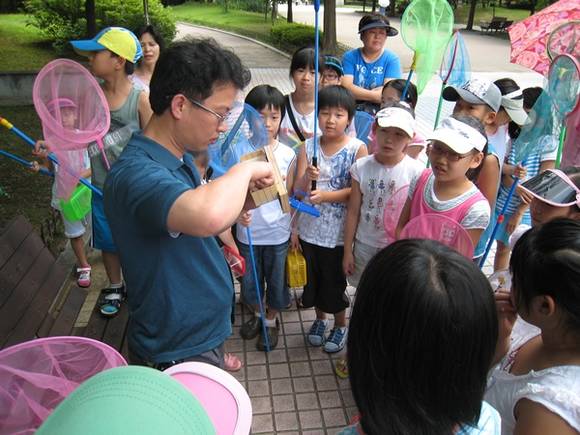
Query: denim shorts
<point>102,236</point>
<point>271,269</point>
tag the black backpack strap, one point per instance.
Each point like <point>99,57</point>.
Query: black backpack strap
<point>290,114</point>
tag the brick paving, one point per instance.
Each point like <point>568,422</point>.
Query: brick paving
<point>293,387</point>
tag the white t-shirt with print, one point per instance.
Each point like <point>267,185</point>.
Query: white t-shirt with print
<point>378,183</point>
<point>270,225</point>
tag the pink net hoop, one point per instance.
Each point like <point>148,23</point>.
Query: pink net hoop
<point>392,212</point>
<point>37,375</point>
<point>74,112</point>
<point>441,228</point>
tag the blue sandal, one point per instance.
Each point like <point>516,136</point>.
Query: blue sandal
<point>111,300</point>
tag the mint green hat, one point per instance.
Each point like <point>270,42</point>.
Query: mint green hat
<point>129,400</point>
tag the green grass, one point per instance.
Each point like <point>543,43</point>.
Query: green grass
<point>21,190</point>
<point>251,24</point>
<point>486,14</point>
<point>22,48</point>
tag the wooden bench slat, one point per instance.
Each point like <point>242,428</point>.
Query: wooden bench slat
<point>36,312</point>
<point>116,328</point>
<point>12,236</point>
<point>17,266</point>
<point>65,321</point>
<point>96,326</point>
<point>17,303</point>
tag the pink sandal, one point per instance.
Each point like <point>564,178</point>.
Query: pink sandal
<point>232,363</point>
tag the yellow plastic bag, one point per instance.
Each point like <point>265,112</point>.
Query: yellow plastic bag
<point>296,269</point>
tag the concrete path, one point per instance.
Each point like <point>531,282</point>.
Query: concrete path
<point>488,53</point>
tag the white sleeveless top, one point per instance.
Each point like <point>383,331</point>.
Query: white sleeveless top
<point>556,388</point>
<point>328,229</point>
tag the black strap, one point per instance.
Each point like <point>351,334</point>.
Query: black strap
<point>290,114</point>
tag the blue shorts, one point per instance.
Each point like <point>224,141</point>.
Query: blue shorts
<point>102,236</point>
<point>502,235</point>
<point>271,269</point>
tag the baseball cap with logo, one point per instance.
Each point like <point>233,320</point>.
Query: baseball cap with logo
<point>475,91</point>
<point>118,40</point>
<point>396,117</point>
<point>458,136</point>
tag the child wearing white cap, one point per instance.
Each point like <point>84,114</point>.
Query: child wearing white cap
<point>456,151</point>
<point>375,179</point>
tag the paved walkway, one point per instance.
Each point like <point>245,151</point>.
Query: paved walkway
<point>487,52</point>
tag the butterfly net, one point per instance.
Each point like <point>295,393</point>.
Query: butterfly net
<point>74,112</point>
<point>37,375</point>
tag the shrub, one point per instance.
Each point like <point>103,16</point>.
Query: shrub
<point>64,20</point>
<point>292,34</point>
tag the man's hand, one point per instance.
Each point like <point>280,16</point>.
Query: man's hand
<point>262,175</point>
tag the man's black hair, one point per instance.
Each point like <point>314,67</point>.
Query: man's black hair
<point>337,96</point>
<point>422,338</point>
<point>193,67</point>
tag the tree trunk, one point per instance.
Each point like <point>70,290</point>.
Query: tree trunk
<point>329,38</point>
<point>393,8</point>
<point>274,11</point>
<point>471,16</point>
<point>91,18</point>
<point>289,17</point>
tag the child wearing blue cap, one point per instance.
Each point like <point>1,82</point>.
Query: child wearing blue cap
<point>112,55</point>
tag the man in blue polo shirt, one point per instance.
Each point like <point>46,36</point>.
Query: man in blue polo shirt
<point>368,68</point>
<point>163,220</point>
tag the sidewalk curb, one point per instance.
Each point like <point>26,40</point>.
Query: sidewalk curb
<point>247,38</point>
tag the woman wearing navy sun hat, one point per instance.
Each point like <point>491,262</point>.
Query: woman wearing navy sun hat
<point>368,68</point>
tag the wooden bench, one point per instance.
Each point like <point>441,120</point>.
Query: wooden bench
<point>111,331</point>
<point>497,24</point>
<point>36,298</point>
<point>39,297</point>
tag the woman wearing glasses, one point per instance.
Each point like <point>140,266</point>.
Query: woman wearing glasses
<point>455,154</point>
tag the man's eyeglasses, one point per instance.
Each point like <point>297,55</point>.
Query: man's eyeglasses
<point>220,118</point>
<point>437,150</point>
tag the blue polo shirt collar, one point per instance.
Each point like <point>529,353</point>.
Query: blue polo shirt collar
<point>161,154</point>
